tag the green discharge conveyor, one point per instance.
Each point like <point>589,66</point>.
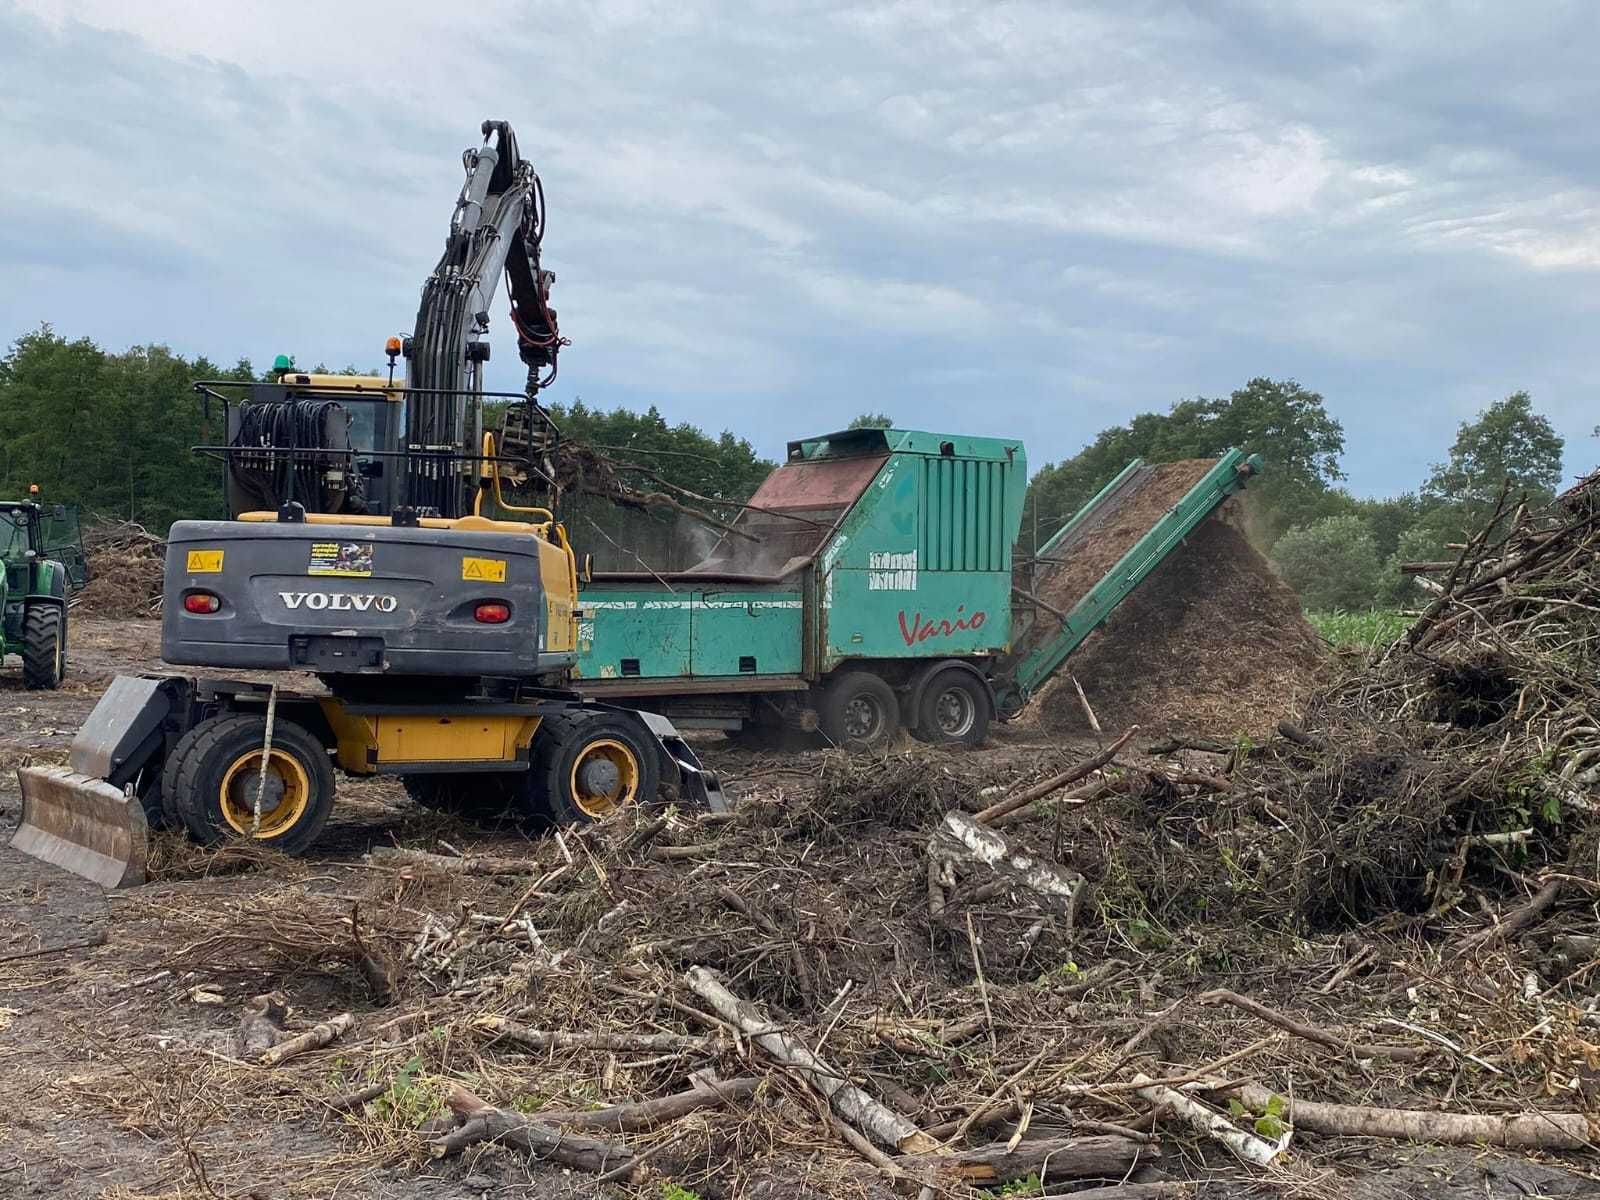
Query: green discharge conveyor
<point>1229,475</point>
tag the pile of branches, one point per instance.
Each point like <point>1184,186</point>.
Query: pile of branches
<point>898,975</point>
<point>125,562</point>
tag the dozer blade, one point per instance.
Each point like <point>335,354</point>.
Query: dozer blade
<point>83,825</point>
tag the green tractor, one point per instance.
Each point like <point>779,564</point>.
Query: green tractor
<point>41,562</point>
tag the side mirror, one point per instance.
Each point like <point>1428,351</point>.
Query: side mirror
<point>59,512</point>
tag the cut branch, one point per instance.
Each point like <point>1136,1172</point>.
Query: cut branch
<point>1312,1034</point>
<point>850,1102</point>
<point>1055,782</point>
<point>545,1039</point>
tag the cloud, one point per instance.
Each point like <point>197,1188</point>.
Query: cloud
<point>1031,217</point>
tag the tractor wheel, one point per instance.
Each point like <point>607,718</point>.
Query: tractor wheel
<point>474,796</point>
<point>587,764</point>
<point>955,710</point>
<point>44,646</point>
<point>211,777</point>
<point>859,711</point>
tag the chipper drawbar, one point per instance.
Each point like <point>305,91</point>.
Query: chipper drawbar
<point>441,640</point>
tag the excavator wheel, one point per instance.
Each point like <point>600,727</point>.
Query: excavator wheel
<point>587,764</point>
<point>44,646</point>
<point>955,709</point>
<point>859,711</point>
<point>211,776</point>
<point>474,796</point>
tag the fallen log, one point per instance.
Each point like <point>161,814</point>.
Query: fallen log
<point>318,1036</point>
<point>647,1114</point>
<point>962,838</point>
<point>850,1102</point>
<point>1246,1146</point>
<point>400,857</point>
<point>1311,1033</point>
<point>1516,1131</point>
<point>1048,1158</point>
<point>546,1039</point>
<point>536,1139</point>
<point>1055,782</point>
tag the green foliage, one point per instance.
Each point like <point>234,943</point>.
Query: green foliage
<point>1333,563</point>
<point>672,1191</point>
<point>411,1100</point>
<point>1369,630</point>
<point>872,421</point>
<point>725,467</point>
<point>109,432</point>
<point>1066,972</point>
<point>1509,442</point>
<point>1028,1185</point>
<point>1286,423</point>
<point>1270,1124</point>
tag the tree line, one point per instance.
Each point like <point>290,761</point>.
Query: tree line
<point>113,433</point>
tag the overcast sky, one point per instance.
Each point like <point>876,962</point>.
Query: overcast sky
<point>1006,218</point>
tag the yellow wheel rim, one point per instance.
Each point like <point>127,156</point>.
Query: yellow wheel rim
<point>604,777</point>
<point>287,795</point>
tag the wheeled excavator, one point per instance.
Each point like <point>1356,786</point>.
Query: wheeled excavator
<point>370,545</point>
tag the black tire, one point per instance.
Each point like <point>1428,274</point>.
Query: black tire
<point>576,752</point>
<point>44,646</point>
<point>224,753</point>
<point>955,710</point>
<point>475,796</point>
<point>859,711</point>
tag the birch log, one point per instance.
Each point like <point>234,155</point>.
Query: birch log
<point>1246,1146</point>
<point>850,1102</point>
<point>1516,1131</point>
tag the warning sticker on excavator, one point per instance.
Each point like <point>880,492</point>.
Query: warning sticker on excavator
<point>348,559</point>
<point>204,562</point>
<point>484,570</point>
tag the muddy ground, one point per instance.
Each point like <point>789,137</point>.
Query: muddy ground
<point>123,1082</point>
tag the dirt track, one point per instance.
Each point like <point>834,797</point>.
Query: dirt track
<point>124,1084</point>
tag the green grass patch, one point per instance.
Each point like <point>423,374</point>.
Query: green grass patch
<point>1359,630</point>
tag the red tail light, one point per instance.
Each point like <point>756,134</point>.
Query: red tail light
<point>492,614</point>
<point>201,602</point>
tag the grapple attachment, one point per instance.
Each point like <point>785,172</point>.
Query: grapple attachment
<point>83,825</point>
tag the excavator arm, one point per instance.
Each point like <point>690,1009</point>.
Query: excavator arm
<point>496,230</point>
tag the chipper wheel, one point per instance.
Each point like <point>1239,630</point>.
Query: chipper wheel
<point>212,774</point>
<point>955,709</point>
<point>859,711</point>
<point>44,646</point>
<point>587,764</point>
